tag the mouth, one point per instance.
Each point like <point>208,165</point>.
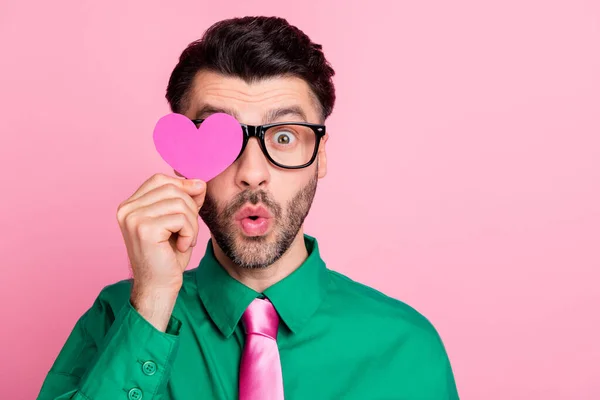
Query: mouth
<point>253,213</point>
<point>254,221</point>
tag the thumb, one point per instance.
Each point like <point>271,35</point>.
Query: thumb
<point>199,199</point>
<point>193,187</point>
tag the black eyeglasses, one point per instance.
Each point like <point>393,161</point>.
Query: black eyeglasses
<point>291,145</point>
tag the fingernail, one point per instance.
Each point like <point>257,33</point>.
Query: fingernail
<point>198,184</point>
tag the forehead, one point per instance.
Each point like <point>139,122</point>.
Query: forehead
<point>251,102</point>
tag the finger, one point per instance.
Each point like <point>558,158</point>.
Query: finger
<point>168,191</point>
<point>199,199</point>
<point>156,180</point>
<point>167,207</point>
<point>160,230</point>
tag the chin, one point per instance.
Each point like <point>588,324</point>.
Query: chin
<point>255,251</point>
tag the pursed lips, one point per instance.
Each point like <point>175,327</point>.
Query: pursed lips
<point>253,213</point>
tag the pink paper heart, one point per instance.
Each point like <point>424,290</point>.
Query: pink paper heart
<point>198,153</point>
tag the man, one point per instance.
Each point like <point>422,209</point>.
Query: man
<point>261,317</point>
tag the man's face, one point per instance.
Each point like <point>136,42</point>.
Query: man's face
<point>281,198</point>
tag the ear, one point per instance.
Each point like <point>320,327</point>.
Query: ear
<point>322,157</point>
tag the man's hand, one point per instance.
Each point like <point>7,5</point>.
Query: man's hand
<point>159,223</point>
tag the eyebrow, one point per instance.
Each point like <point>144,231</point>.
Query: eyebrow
<point>270,116</point>
<point>207,110</point>
<point>278,113</point>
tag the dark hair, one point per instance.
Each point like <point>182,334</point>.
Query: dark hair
<point>253,48</point>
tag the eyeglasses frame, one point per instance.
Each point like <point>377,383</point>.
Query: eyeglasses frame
<point>258,131</point>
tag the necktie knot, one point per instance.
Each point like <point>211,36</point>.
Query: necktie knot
<point>261,318</point>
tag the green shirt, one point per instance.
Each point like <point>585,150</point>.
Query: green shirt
<point>337,339</point>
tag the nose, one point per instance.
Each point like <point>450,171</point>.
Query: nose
<point>253,168</point>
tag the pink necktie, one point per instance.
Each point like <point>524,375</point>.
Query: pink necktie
<point>260,368</point>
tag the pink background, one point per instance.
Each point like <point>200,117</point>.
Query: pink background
<point>464,170</point>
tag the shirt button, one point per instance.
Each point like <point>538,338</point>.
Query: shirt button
<point>149,368</point>
<point>135,394</point>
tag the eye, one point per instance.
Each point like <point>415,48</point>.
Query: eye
<point>284,138</point>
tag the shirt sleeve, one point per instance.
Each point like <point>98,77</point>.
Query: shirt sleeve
<point>111,355</point>
<point>447,382</point>
<point>432,365</point>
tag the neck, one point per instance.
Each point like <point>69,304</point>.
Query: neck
<point>260,279</point>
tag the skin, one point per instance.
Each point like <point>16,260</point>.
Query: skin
<point>159,221</point>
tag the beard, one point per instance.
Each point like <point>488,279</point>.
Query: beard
<point>258,251</point>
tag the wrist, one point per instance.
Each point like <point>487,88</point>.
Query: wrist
<point>155,305</point>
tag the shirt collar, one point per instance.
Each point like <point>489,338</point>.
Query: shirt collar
<point>296,297</point>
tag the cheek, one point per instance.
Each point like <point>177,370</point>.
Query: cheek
<point>218,191</point>
<point>222,186</point>
<point>287,186</point>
